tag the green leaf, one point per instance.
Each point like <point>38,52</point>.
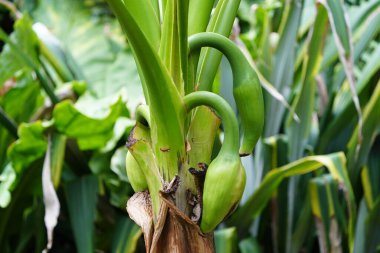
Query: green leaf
<point>94,50</point>
<point>24,37</point>
<point>164,99</point>
<point>81,197</point>
<point>303,104</point>
<point>140,10</point>
<point>358,152</point>
<point>282,78</point>
<point>170,46</point>
<point>220,22</point>
<point>90,132</point>
<point>335,163</point>
<point>372,231</point>
<point>226,240</point>
<point>126,236</point>
<point>30,146</point>
<point>345,108</point>
<point>250,245</point>
<point>328,212</point>
<point>342,37</point>
<point>25,91</point>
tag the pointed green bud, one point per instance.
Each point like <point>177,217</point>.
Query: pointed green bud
<point>135,175</point>
<point>223,189</point>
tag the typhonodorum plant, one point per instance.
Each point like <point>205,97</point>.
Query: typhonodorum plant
<point>177,46</point>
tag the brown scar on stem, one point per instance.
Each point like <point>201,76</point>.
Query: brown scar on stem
<point>195,202</point>
<point>172,186</point>
<point>164,149</point>
<point>199,179</point>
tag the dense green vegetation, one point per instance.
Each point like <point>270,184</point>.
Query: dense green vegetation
<point>70,86</point>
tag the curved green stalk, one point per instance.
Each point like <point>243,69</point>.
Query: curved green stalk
<point>225,178</point>
<point>246,86</point>
<point>231,129</point>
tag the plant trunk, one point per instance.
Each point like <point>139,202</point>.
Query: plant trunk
<point>173,231</point>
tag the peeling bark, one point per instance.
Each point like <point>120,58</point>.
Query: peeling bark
<point>172,232</point>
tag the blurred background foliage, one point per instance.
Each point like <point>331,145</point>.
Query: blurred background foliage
<point>69,87</point>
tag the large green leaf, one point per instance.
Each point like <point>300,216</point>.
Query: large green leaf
<point>90,132</point>
<point>24,37</point>
<point>94,50</point>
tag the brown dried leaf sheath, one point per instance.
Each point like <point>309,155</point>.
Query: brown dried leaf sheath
<point>173,232</point>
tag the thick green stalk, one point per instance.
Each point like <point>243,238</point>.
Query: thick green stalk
<point>199,15</point>
<point>221,22</point>
<point>225,178</point>
<point>247,89</point>
<point>231,128</point>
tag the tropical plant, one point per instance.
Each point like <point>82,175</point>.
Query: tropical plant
<point>311,184</point>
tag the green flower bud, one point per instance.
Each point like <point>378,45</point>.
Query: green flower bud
<point>135,175</point>
<point>223,189</point>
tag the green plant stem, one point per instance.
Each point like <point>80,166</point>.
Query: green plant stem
<point>62,71</point>
<point>231,128</point>
<point>246,87</point>
<point>8,123</point>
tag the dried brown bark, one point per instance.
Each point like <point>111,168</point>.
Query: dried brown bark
<point>172,232</point>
